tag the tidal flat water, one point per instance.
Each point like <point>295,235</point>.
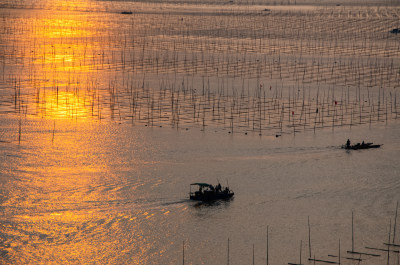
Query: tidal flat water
<point>106,119</point>
<point>116,193</point>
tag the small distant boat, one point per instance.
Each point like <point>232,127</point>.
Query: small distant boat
<point>207,192</point>
<point>362,145</point>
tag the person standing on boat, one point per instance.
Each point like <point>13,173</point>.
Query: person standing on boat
<point>348,143</point>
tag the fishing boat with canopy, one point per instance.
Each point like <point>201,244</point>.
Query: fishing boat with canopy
<point>208,192</point>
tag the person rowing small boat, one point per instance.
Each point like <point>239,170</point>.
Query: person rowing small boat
<point>362,145</point>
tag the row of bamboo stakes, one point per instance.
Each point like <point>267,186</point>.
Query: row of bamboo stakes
<point>180,105</point>
<point>265,72</point>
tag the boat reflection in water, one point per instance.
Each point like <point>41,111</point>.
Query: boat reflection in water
<point>207,192</point>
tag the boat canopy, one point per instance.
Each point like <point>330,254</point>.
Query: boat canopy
<point>202,184</point>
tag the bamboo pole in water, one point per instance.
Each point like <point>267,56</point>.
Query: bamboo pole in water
<point>388,250</point>
<point>309,237</point>
<point>54,128</point>
<point>267,247</point>
<point>352,231</point>
<point>395,223</point>
<point>19,130</point>
<point>227,262</point>
<point>253,254</point>
<point>301,246</point>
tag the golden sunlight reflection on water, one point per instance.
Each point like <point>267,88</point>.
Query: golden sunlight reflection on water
<point>65,105</point>
<point>63,64</point>
<point>67,202</point>
<point>78,185</point>
<point>115,193</point>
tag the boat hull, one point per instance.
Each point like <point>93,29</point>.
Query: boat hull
<point>361,146</point>
<point>211,196</point>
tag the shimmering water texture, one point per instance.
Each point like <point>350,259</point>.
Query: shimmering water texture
<point>110,109</point>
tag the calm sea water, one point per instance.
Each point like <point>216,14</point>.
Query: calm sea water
<point>90,192</point>
<point>80,187</point>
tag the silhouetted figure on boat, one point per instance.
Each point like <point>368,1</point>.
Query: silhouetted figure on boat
<point>207,192</point>
<point>362,145</point>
